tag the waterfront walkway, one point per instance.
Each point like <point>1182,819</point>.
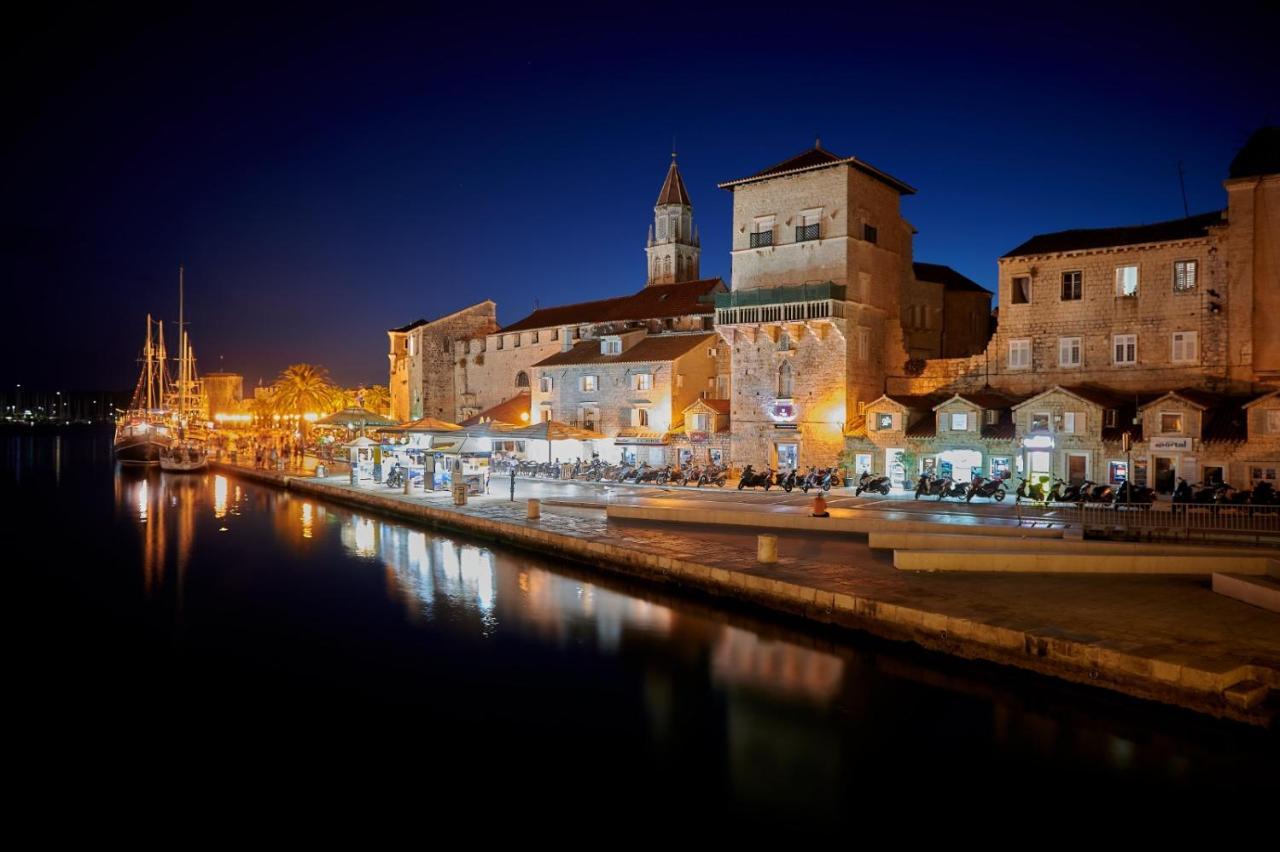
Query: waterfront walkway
<point>1164,637</point>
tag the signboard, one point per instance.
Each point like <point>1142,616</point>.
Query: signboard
<point>699,437</point>
<point>784,411</point>
<point>1168,444</point>
<point>785,426</point>
<point>641,440</point>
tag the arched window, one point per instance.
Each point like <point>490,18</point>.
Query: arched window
<point>784,381</point>
<point>522,379</point>
<point>666,268</point>
<point>679,266</point>
<point>784,341</point>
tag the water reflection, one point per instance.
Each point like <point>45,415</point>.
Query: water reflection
<point>163,509</point>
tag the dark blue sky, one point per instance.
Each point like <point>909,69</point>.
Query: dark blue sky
<point>327,175</point>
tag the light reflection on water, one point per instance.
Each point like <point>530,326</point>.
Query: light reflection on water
<point>775,704</point>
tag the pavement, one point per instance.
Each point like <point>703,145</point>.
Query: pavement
<point>1172,619</point>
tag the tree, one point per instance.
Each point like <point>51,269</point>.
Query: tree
<point>303,388</point>
<point>378,399</point>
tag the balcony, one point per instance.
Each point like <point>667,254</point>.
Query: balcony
<point>761,238</point>
<point>805,233</point>
<point>792,303</point>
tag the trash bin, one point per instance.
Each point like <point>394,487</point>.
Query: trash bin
<point>320,470</point>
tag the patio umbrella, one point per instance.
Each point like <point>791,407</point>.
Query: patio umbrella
<point>550,430</point>
<point>425,424</point>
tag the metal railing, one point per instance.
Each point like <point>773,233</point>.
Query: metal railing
<point>783,312</point>
<point>804,233</point>
<point>761,238</point>
<point>1162,520</point>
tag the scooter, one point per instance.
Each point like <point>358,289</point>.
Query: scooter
<point>750,478</point>
<point>952,488</point>
<point>982,487</point>
<point>1033,491</point>
<point>788,482</point>
<point>869,483</point>
<point>713,475</point>
<point>1130,494</point>
<point>928,485</point>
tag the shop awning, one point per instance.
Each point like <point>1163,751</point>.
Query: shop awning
<point>551,430</point>
<point>355,418</point>
<point>424,424</point>
<point>641,437</point>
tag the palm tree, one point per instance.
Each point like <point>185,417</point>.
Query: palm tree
<point>303,388</point>
<point>378,399</point>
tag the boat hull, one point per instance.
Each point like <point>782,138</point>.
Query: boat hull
<point>139,449</point>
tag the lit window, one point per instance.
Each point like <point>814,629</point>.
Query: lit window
<point>610,346</point>
<point>1068,352</point>
<point>1020,354</point>
<point>1184,275</point>
<point>1170,424</point>
<point>1112,418</point>
<point>643,381</point>
<point>1124,348</point>
<point>1126,281</point>
<point>1072,286</point>
<point>587,383</point>
<point>411,347</point>
<point>546,415</point>
<point>1040,422</point>
<point>1069,422</point>
<point>545,384</point>
<point>991,417</point>
<point>642,417</point>
<point>1020,288</point>
<point>1185,346</point>
<point>959,422</point>
<point>884,421</point>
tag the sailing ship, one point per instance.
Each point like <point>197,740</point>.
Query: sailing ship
<point>189,406</point>
<point>164,422</point>
<point>143,430</point>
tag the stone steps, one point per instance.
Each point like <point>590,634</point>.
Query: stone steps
<point>1258,591</point>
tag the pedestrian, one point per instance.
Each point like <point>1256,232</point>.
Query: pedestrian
<point>513,483</point>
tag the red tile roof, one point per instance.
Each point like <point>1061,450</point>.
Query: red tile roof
<point>661,347</point>
<point>653,302</point>
<point>673,191</point>
<point>507,411</point>
<point>1191,227</point>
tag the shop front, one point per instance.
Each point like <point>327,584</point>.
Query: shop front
<point>637,447</point>
<point>1172,458</point>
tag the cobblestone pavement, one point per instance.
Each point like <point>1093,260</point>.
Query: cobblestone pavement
<point>1174,618</point>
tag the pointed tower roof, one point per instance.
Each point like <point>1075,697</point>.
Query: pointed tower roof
<point>673,191</point>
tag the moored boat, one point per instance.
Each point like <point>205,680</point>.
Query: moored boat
<point>184,456</point>
<point>143,430</point>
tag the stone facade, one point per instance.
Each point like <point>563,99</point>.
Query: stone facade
<point>805,353</point>
<point>634,395</point>
<point>422,381</point>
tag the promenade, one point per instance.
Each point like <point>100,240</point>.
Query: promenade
<point>1160,637</point>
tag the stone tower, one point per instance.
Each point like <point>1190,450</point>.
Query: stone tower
<point>673,247</point>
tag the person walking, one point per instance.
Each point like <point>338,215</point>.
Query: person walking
<point>513,483</point>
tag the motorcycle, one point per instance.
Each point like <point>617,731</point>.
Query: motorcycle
<point>868,482</point>
<point>983,487</point>
<point>713,475</point>
<point>395,476</point>
<point>751,478</point>
<point>787,482</point>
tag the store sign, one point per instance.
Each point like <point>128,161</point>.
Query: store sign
<point>641,440</point>
<point>1038,442</point>
<point>1167,444</point>
<point>699,437</point>
<point>783,411</point>
<point>785,426</point>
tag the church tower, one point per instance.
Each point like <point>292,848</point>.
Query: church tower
<point>674,247</point>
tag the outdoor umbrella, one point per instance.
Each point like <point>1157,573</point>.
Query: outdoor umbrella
<point>355,418</point>
<point>550,430</point>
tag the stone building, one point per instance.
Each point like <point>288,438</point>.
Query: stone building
<point>630,385</point>
<point>422,380</point>
<point>498,365</point>
<point>821,257</point>
<point>225,392</point>
<point>945,314</point>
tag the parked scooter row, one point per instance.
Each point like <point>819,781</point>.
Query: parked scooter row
<point>1221,493</point>
<point>824,478</point>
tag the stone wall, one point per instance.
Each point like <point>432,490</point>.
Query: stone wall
<point>422,381</point>
<point>486,375</point>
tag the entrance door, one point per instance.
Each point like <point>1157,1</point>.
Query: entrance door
<point>895,469</point>
<point>788,456</point>
<point>657,457</point>
<point>1040,463</point>
<point>1077,468</point>
<point>1165,474</point>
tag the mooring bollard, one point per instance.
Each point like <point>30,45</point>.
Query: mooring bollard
<point>459,493</point>
<point>319,471</point>
<point>535,509</point>
<point>353,475</point>
<point>406,483</point>
<point>767,549</point>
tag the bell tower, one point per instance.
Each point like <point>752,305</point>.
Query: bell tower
<point>673,247</point>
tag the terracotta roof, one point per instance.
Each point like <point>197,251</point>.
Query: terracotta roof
<point>1259,156</point>
<point>507,411</point>
<point>1195,396</point>
<point>653,302</point>
<point>1191,227</point>
<point>948,278</point>
<point>660,347</point>
<point>988,399</point>
<point>818,157</point>
<point>1004,430</point>
<point>673,191</point>
<point>1097,395</point>
<point>924,402</point>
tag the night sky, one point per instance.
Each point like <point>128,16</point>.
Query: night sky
<point>326,175</point>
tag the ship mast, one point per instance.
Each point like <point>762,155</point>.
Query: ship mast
<point>182,359</point>
<point>148,354</point>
